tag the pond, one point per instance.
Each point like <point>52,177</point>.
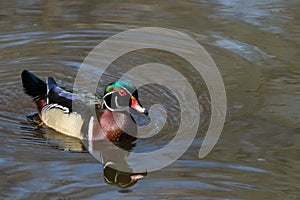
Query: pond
<point>255,45</point>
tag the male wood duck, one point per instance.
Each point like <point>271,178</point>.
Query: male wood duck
<point>54,106</point>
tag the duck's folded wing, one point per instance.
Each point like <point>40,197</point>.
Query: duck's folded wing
<point>58,96</point>
<point>63,99</point>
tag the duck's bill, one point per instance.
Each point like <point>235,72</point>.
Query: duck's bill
<point>137,106</point>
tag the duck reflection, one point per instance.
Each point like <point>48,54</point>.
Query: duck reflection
<point>113,155</point>
<point>119,178</point>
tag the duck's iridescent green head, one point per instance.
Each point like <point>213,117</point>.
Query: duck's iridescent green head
<point>120,95</point>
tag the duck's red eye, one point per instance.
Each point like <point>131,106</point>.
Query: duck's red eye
<point>122,93</point>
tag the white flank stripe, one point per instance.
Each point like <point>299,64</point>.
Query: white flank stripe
<point>65,109</point>
<point>90,133</point>
<point>47,90</point>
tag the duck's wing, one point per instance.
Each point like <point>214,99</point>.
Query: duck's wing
<point>57,96</point>
<point>60,98</point>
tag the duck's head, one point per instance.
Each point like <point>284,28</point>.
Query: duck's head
<point>122,95</point>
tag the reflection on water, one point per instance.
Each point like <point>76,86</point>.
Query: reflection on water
<point>255,45</point>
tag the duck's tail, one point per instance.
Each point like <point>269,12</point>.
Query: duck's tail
<point>34,86</point>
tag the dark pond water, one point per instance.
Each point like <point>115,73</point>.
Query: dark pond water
<point>255,45</point>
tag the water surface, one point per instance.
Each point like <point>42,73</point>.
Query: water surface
<point>255,45</point>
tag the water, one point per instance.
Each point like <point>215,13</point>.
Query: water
<point>256,48</point>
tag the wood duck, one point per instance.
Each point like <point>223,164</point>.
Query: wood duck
<point>54,106</point>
